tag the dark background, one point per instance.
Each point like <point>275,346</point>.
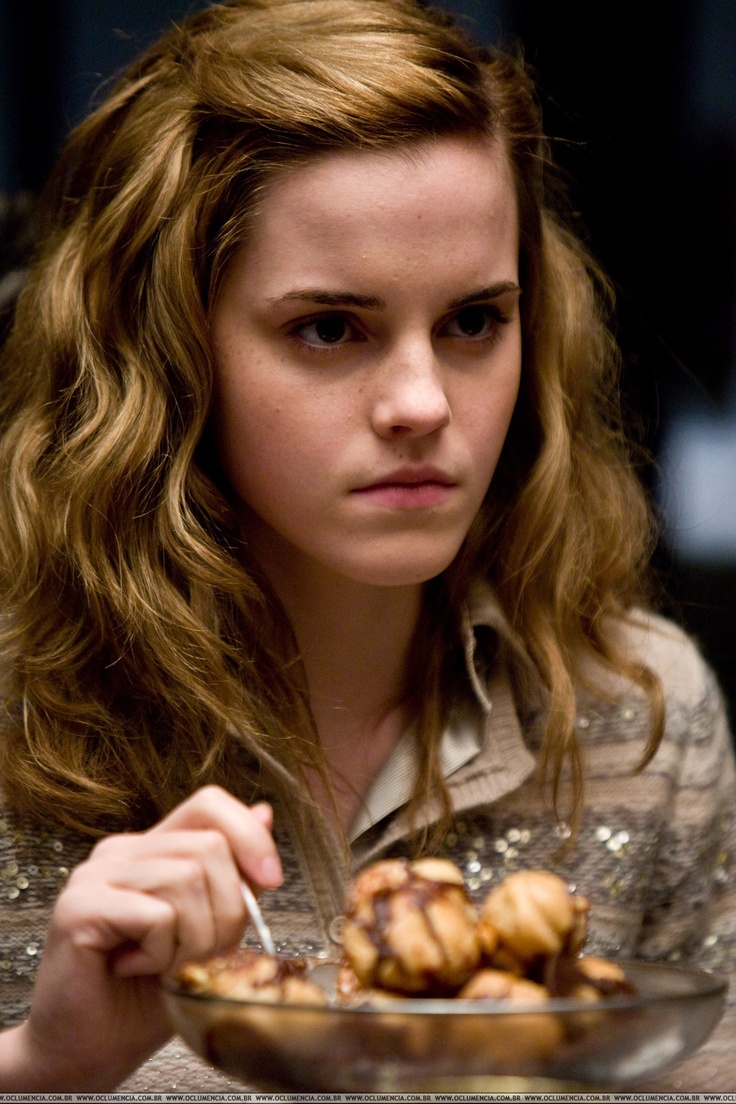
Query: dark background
<point>640,99</point>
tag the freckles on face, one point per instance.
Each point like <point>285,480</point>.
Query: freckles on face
<point>368,352</point>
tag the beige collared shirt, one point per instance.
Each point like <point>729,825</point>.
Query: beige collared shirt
<point>482,752</point>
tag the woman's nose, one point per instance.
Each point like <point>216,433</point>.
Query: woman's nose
<point>411,399</point>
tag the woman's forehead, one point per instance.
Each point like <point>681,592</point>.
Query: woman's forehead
<point>371,222</point>
<point>454,175</point>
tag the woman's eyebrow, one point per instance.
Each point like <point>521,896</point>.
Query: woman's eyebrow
<point>490,292</point>
<point>331,298</point>
<point>326,298</point>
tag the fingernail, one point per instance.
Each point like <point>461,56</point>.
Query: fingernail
<point>271,873</point>
<point>263,812</point>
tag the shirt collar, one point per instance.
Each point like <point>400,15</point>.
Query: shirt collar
<point>482,751</point>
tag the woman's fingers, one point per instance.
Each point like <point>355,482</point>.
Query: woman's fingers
<point>264,813</point>
<point>193,863</point>
<point>115,920</point>
<point>193,871</point>
<point>136,909</point>
<point>246,829</point>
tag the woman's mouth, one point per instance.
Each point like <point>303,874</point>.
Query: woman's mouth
<point>410,488</point>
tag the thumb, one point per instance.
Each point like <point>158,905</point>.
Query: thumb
<point>263,813</point>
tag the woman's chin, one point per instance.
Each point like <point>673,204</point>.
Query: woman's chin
<point>399,573</point>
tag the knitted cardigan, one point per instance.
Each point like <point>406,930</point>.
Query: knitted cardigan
<point>654,853</point>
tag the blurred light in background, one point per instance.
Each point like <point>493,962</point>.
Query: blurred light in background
<point>698,493</point>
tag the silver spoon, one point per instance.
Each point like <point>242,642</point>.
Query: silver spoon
<point>256,916</point>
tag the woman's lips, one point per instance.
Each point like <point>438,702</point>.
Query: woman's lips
<point>412,489</point>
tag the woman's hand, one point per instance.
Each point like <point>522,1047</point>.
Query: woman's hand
<point>138,907</point>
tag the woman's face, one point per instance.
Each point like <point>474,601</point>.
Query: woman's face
<point>368,353</point>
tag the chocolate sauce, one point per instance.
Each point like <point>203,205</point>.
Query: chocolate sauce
<point>419,893</point>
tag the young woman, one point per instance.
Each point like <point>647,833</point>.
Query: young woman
<point>320,537</point>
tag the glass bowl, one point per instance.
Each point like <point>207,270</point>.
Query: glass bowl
<point>425,1045</point>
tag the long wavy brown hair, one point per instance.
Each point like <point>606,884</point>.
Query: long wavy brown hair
<point>142,654</point>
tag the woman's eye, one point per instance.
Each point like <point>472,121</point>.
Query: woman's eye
<point>321,333</point>
<point>476,321</point>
